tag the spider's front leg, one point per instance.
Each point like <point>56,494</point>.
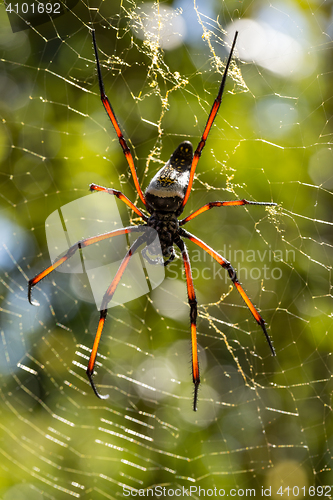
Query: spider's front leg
<point>210,121</point>
<point>108,108</point>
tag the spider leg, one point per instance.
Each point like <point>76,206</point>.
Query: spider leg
<point>211,118</point>
<point>213,204</point>
<point>71,251</point>
<point>120,196</point>
<point>232,274</point>
<point>106,299</point>
<point>110,112</point>
<point>193,316</point>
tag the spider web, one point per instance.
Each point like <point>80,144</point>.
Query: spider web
<point>262,422</point>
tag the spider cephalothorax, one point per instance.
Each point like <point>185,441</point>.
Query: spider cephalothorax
<point>164,199</point>
<point>167,225</point>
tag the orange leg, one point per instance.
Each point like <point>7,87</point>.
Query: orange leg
<point>232,273</point>
<point>211,118</point>
<point>120,196</point>
<point>212,204</point>
<point>71,251</point>
<point>106,299</point>
<point>112,116</point>
<point>193,317</point>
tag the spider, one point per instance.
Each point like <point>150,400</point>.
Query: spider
<point>165,199</point>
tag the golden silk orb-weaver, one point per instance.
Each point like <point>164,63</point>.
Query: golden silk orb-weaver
<point>164,199</point>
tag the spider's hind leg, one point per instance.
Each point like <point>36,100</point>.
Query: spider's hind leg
<point>193,317</point>
<point>232,274</point>
<point>103,311</point>
<point>91,364</point>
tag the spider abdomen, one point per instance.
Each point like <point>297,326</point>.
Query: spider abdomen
<point>166,190</point>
